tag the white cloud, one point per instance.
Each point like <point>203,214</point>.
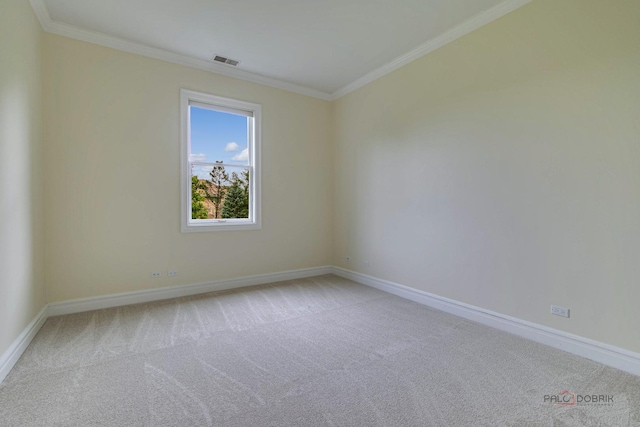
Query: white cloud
<point>243,156</point>
<point>199,157</point>
<point>231,146</point>
<point>202,172</point>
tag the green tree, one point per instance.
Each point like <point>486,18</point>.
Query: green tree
<point>242,181</point>
<point>198,210</point>
<point>218,189</point>
<point>234,202</point>
<point>244,178</point>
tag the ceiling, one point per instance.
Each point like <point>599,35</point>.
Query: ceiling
<point>322,48</point>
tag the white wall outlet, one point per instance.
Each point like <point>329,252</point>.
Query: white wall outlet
<point>172,273</point>
<point>559,311</point>
<point>156,274</point>
<point>347,259</point>
<point>366,263</point>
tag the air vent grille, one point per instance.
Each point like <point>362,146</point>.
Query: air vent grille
<point>224,60</point>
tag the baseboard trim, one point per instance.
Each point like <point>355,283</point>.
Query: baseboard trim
<point>148,295</point>
<point>10,357</point>
<point>606,354</point>
<point>616,357</point>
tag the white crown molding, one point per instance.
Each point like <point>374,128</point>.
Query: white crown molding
<point>606,354</point>
<point>176,58</point>
<point>106,40</point>
<point>456,32</point>
<point>41,11</point>
<point>10,357</point>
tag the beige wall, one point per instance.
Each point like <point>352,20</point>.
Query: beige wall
<point>113,186</point>
<point>21,208</point>
<point>503,170</point>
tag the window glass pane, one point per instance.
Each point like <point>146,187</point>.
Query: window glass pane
<point>219,192</point>
<point>218,136</point>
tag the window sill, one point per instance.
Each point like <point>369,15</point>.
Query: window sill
<point>229,225</point>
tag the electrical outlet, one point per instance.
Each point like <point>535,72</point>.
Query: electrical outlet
<point>559,311</point>
<point>366,263</point>
<point>172,273</point>
<point>347,259</point>
<point>156,274</point>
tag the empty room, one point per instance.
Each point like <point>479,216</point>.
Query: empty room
<point>320,213</point>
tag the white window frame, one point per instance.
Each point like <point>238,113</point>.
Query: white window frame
<point>189,225</point>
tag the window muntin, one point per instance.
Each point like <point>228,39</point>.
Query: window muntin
<point>221,163</point>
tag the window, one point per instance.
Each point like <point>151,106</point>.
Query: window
<point>220,163</point>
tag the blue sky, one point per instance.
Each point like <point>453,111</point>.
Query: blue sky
<point>217,136</point>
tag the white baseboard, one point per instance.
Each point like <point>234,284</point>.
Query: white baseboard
<point>606,354</point>
<point>13,353</point>
<point>148,295</point>
<point>9,358</point>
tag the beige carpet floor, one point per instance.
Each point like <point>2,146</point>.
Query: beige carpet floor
<point>323,351</point>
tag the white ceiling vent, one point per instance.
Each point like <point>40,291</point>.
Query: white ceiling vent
<point>224,60</point>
